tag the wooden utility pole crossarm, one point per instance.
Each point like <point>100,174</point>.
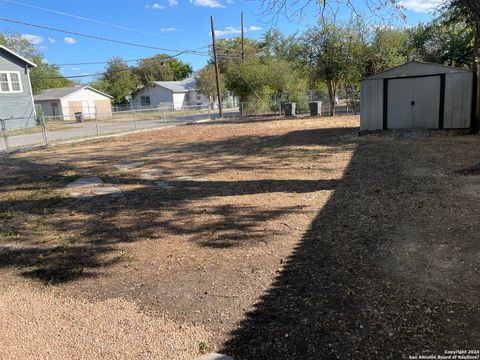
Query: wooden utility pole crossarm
<point>220,111</point>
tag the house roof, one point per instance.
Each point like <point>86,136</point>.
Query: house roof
<point>7,50</point>
<point>416,68</point>
<point>182,86</point>
<point>59,93</point>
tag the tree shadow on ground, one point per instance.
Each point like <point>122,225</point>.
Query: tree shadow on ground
<point>90,231</point>
<point>340,297</point>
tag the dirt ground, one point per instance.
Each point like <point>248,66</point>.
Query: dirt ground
<point>306,242</point>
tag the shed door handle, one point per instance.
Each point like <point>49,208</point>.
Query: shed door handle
<point>412,103</point>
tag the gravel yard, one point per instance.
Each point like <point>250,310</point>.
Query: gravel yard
<point>263,239</point>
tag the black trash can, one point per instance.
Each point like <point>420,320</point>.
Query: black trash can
<point>290,108</point>
<point>315,108</point>
<point>79,117</point>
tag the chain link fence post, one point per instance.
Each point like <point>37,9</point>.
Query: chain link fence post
<point>96,123</point>
<point>134,119</point>
<point>5,136</point>
<point>44,129</point>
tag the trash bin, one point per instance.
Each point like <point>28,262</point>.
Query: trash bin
<point>290,108</point>
<point>315,108</point>
<point>79,117</point>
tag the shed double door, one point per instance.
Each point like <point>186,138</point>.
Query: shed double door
<point>414,103</point>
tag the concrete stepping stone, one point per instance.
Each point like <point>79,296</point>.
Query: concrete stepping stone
<point>151,174</point>
<point>189,178</point>
<point>163,185</point>
<point>128,166</point>
<point>85,182</point>
<point>111,190</point>
<point>214,356</point>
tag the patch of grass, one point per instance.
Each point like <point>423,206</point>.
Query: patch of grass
<point>203,346</point>
<point>10,233</point>
<point>6,215</point>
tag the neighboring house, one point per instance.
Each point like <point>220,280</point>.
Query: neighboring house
<point>176,94</point>
<point>16,99</point>
<point>63,103</point>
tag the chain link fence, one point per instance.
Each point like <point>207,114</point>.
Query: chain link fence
<point>94,122</point>
<point>277,107</point>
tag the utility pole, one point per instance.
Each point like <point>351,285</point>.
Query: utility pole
<point>243,38</point>
<point>220,111</point>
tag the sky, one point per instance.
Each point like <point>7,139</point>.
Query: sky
<point>170,24</point>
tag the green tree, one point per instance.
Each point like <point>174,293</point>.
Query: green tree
<point>162,68</point>
<point>444,41</point>
<point>207,85</point>
<point>119,80</point>
<point>257,80</point>
<point>388,48</point>
<point>325,54</point>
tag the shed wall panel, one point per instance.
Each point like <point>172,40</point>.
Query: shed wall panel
<point>371,111</point>
<point>458,100</point>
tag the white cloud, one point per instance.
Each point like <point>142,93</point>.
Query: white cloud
<point>173,2</point>
<point>69,40</point>
<point>232,30</point>
<point>76,69</point>
<point>45,61</point>
<point>34,39</point>
<point>169,29</point>
<point>421,6</point>
<point>229,30</point>
<point>156,6</point>
<point>52,40</point>
<point>230,2</point>
<point>207,3</point>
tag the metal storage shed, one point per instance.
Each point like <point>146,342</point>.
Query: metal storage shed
<point>418,96</point>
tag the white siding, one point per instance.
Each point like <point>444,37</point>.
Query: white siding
<point>159,97</point>
<point>87,97</point>
<point>178,100</point>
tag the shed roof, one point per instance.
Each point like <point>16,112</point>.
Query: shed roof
<point>14,54</point>
<point>59,93</point>
<point>182,86</point>
<point>416,68</point>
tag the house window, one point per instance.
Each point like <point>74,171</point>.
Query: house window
<point>145,100</point>
<point>15,81</point>
<point>4,87</point>
<point>10,82</point>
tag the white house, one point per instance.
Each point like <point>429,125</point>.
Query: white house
<point>169,93</point>
<point>63,103</point>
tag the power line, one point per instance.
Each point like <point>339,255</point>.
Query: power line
<point>121,27</point>
<point>191,52</point>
